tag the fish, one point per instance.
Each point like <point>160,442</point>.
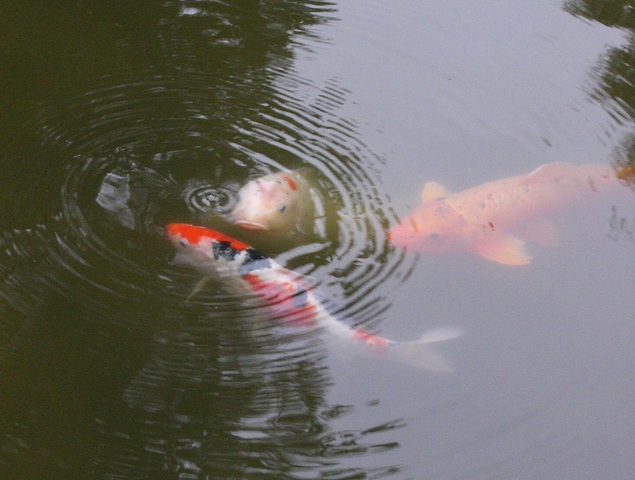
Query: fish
<point>279,202</point>
<point>489,219</point>
<point>286,295</point>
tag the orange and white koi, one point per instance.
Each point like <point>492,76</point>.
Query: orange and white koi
<point>278,202</point>
<point>283,291</point>
<point>485,219</point>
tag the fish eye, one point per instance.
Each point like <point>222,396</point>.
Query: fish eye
<point>238,197</point>
<point>281,208</point>
<point>183,243</point>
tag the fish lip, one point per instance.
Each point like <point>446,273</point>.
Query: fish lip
<point>250,225</point>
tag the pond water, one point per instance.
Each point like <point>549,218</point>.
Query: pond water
<point>119,118</point>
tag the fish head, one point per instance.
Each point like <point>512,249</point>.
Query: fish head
<point>274,202</point>
<point>433,227</point>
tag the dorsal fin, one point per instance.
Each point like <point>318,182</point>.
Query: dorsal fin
<point>551,169</point>
<point>433,191</point>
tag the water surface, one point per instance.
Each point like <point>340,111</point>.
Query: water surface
<point>120,118</point>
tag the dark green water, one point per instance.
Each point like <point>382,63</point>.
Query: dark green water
<point>117,118</point>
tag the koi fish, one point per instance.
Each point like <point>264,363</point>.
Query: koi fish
<point>278,202</point>
<point>484,219</point>
<point>284,293</point>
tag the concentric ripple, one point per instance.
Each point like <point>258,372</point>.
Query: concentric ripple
<point>205,197</point>
<point>87,277</point>
<point>122,161</point>
<point>150,152</point>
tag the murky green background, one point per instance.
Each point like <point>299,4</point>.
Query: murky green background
<point>119,117</point>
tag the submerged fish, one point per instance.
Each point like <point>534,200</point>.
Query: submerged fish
<point>485,219</point>
<point>284,293</point>
<point>278,202</point>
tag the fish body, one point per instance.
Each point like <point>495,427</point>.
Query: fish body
<point>282,290</point>
<point>485,219</point>
<point>278,202</point>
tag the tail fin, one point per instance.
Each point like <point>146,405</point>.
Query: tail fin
<point>439,334</point>
<point>421,355</point>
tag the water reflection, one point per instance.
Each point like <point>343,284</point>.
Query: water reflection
<point>108,372</point>
<point>614,77</point>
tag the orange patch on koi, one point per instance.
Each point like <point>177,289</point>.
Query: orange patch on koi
<point>291,183</point>
<point>194,234</point>
<point>370,340</point>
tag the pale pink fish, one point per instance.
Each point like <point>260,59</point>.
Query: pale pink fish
<point>279,203</point>
<point>487,219</point>
<point>285,295</point>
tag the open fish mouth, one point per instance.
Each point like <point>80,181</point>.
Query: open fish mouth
<point>247,225</point>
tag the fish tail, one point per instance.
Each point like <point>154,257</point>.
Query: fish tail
<point>421,356</point>
<point>417,353</point>
<point>440,334</point>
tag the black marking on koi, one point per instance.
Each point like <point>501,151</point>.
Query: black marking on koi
<point>223,249</point>
<point>300,298</point>
<point>253,260</point>
<point>254,254</point>
<point>251,265</point>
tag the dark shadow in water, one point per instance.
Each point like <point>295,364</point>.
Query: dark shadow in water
<point>614,88</point>
<point>110,107</point>
<point>614,75</point>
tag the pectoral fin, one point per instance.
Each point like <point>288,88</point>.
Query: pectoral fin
<point>181,258</point>
<point>198,288</point>
<point>433,191</point>
<point>505,249</point>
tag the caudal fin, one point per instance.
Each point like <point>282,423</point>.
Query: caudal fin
<point>439,334</point>
<point>424,357</point>
<point>421,355</point>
